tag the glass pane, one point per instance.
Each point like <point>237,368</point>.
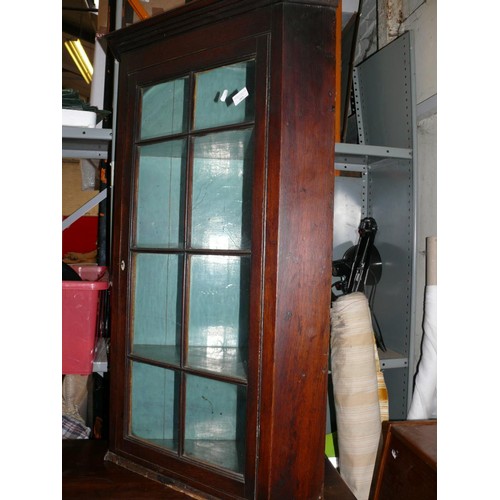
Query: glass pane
<point>222,183</point>
<point>219,314</point>
<point>154,405</point>
<point>164,109</point>
<point>157,307</point>
<point>225,95</point>
<point>160,195</point>
<point>215,422</point>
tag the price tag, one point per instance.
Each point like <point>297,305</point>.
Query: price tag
<point>240,96</point>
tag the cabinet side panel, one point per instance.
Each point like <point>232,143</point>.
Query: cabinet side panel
<point>300,199</point>
<point>118,321</point>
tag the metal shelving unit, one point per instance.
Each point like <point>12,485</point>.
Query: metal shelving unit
<point>376,178</point>
<point>85,143</point>
<point>377,182</point>
<point>88,143</point>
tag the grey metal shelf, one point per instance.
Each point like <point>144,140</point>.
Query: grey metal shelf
<point>87,143</point>
<point>392,359</point>
<point>350,193</point>
<point>376,178</point>
<point>363,154</point>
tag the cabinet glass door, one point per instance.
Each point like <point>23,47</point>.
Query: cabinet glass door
<point>191,258</point>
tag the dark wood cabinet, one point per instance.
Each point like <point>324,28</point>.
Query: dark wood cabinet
<point>222,246</point>
<point>406,465</point>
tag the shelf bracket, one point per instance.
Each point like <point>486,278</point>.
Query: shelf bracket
<point>84,209</point>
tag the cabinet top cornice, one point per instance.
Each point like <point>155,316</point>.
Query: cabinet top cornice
<point>187,17</point>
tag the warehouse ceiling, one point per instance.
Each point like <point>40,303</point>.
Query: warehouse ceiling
<point>79,20</point>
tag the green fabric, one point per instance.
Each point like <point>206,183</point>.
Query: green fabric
<point>331,445</point>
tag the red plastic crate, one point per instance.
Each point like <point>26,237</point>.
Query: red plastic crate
<point>80,314</point>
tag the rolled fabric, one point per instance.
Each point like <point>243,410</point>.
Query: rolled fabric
<point>424,400</point>
<point>74,394</point>
<point>355,390</point>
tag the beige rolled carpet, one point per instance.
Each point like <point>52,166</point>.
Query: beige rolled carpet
<point>356,391</point>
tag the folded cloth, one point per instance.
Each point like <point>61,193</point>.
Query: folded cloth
<point>72,428</point>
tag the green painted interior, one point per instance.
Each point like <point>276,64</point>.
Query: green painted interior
<point>154,402</point>
<point>160,195</point>
<point>184,297</point>
<point>221,209</point>
<point>210,85</point>
<point>164,108</point>
<point>157,301</point>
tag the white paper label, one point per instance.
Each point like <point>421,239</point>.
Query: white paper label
<point>223,96</point>
<point>240,96</point>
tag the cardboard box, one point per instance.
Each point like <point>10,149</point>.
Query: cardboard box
<point>138,10</point>
<point>147,8</point>
<point>102,19</point>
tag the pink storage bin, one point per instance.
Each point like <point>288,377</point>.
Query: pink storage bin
<point>80,314</point>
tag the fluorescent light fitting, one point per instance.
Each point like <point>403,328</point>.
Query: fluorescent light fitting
<point>80,58</point>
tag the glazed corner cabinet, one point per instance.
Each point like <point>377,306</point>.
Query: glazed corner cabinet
<point>222,246</point>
